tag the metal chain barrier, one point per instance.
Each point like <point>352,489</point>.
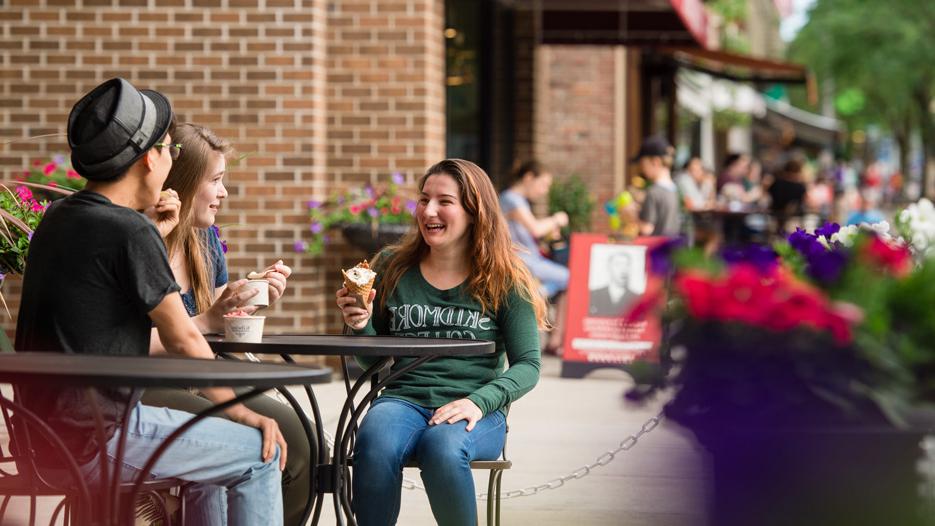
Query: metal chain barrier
<point>602,460</point>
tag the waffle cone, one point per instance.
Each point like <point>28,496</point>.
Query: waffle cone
<point>359,292</point>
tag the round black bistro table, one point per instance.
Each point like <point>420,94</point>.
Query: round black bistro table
<point>136,372</point>
<point>333,477</point>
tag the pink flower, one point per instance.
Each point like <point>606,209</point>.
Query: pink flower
<point>49,168</point>
<point>36,206</point>
<point>25,194</point>
<point>71,174</point>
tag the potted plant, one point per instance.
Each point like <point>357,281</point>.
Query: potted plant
<point>53,173</point>
<point>571,196</point>
<point>20,213</point>
<point>369,217</point>
<point>798,367</point>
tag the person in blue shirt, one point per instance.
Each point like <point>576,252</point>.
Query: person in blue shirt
<point>531,181</point>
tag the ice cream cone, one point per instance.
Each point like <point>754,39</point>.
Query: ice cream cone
<point>361,292</point>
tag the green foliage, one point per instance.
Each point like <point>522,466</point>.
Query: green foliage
<point>571,196</point>
<point>879,52</point>
<point>20,214</point>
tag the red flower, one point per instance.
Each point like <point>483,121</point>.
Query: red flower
<point>71,174</point>
<point>49,168</point>
<point>698,292</point>
<point>896,259</point>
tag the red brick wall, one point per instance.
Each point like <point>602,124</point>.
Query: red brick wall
<point>320,95</point>
<point>386,100</point>
<point>578,117</point>
<point>253,70</point>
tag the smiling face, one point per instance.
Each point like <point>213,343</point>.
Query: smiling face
<point>210,192</point>
<point>443,221</point>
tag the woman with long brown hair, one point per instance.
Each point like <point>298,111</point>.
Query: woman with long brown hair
<point>455,275</point>
<point>197,260</point>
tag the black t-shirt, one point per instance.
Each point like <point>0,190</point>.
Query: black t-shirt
<point>94,272</point>
<point>787,196</point>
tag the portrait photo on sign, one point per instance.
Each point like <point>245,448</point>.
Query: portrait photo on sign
<point>616,278</point>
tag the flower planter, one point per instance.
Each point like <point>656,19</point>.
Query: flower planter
<point>369,239</point>
<point>833,476</point>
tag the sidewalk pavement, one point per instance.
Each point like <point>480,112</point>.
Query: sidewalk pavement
<point>561,425</point>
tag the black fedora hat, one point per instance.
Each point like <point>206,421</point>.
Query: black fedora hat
<point>113,126</point>
<point>654,146</point>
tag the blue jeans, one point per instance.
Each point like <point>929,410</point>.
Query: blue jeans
<point>395,431</point>
<point>552,276</point>
<point>232,483</point>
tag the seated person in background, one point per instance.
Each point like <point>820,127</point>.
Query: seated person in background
<point>449,411</point>
<point>787,193</point>
<point>659,213</point>
<point>741,183</point>
<point>867,211</point>
<point>118,285</point>
<point>697,192</point>
<point>820,196</point>
<point>530,182</point>
<point>199,267</point>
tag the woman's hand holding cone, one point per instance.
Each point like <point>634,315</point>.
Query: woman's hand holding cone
<point>355,317</point>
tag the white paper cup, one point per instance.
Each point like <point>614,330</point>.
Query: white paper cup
<point>244,329</point>
<point>261,299</point>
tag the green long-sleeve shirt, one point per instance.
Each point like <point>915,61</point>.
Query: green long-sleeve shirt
<point>416,308</point>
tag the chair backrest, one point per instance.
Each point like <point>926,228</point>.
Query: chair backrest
<point>23,426</point>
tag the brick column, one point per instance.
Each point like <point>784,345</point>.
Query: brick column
<point>386,101</point>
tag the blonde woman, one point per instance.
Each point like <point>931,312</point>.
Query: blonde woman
<point>197,260</point>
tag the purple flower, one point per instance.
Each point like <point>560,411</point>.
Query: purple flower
<point>29,236</point>
<point>660,257</point>
<point>398,178</point>
<point>802,240</point>
<point>828,229</point>
<point>341,199</point>
<point>300,246</point>
<point>59,159</point>
<point>762,257</point>
<point>411,206</point>
<point>369,191</point>
<point>373,212</point>
<point>827,266</point>
<point>316,227</point>
<point>326,239</point>
<point>313,204</point>
<point>2,277</point>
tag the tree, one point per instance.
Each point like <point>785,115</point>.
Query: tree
<point>881,51</point>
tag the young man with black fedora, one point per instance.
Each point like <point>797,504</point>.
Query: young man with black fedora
<point>660,213</point>
<point>98,278</point>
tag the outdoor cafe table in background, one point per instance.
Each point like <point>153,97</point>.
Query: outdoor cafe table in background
<point>333,477</point>
<point>136,372</point>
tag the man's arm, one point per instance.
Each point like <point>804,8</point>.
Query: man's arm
<point>179,335</point>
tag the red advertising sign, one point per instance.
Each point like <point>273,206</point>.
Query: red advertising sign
<point>607,279</point>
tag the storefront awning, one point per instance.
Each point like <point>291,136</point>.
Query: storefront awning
<point>736,67</point>
<point>622,22</point>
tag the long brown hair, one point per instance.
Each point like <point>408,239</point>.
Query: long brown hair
<point>495,268</point>
<point>186,175</point>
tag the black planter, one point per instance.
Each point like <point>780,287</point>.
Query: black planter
<point>369,239</point>
<point>817,477</point>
